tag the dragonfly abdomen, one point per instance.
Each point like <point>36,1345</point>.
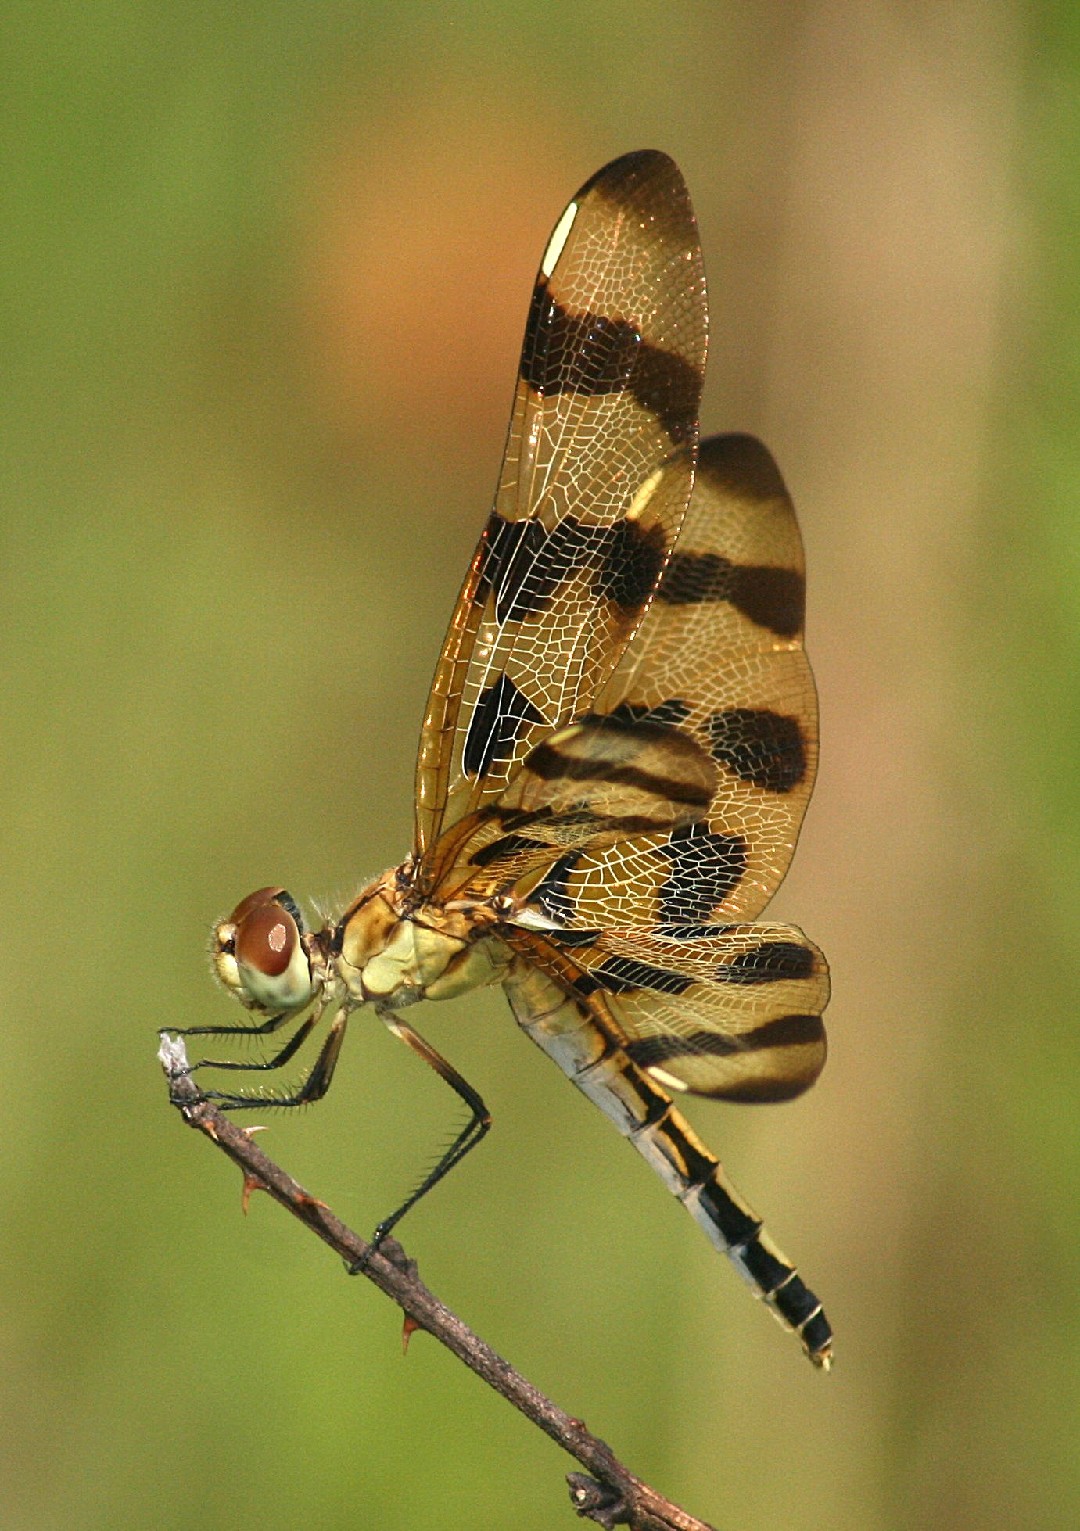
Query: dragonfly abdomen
<point>568,1029</point>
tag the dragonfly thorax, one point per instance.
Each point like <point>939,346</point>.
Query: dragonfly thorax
<point>392,952</point>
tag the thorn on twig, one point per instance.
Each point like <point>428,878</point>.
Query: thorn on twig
<point>597,1501</point>
<point>409,1326</point>
<point>251,1183</point>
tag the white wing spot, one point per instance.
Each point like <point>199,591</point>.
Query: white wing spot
<point>644,494</point>
<point>533,919</point>
<point>558,240</point>
<point>667,1080</point>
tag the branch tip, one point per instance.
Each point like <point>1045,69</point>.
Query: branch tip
<point>607,1493</point>
<point>172,1055</point>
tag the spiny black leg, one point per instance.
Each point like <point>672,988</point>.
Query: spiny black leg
<point>314,1087</point>
<point>262,1030</point>
<point>476,1128</point>
<point>279,1059</point>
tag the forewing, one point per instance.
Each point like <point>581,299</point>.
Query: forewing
<point>714,709</point>
<point>732,1012</point>
<point>593,490</point>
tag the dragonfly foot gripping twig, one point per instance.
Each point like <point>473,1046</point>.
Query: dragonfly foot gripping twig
<point>610,1495</point>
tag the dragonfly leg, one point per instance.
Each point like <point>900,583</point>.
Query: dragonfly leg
<point>470,1135</point>
<point>312,1088</point>
<point>276,1061</point>
<point>264,1028</point>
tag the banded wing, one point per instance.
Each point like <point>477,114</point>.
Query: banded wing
<point>677,802</point>
<point>721,660</point>
<point>595,480</point>
<point>732,1012</point>
<point>644,834</point>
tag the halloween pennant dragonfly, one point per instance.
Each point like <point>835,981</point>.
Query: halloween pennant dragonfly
<point>617,752</point>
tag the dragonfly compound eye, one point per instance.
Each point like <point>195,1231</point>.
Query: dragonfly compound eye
<point>260,956</point>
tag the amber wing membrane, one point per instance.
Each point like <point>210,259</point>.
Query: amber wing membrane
<point>731,1011</point>
<point>677,799</point>
<point>595,480</point>
<point>719,664</point>
<point>646,833</point>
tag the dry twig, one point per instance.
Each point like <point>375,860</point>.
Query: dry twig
<point>607,1493</point>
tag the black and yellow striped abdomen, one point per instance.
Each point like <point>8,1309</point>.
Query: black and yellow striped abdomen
<point>582,1039</point>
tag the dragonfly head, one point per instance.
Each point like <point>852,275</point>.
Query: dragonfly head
<point>263,955</point>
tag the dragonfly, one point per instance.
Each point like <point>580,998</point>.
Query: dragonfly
<point>616,756</point>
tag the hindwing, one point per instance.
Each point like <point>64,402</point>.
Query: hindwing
<point>732,1012</point>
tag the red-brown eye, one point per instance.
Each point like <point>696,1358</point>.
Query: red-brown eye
<point>259,954</point>
<point>256,900</point>
<point>266,938</point>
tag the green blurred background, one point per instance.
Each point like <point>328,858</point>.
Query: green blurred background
<point>267,268</point>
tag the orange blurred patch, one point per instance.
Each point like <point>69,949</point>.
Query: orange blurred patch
<point>424,242</point>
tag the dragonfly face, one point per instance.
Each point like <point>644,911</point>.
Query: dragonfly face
<point>262,955</point>
<point>617,751</point>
